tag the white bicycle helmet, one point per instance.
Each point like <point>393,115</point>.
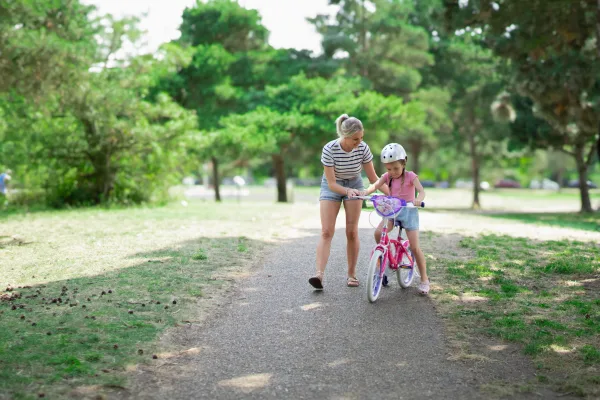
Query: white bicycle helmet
<point>392,152</point>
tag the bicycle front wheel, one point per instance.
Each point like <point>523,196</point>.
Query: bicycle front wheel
<point>407,275</point>
<point>375,279</point>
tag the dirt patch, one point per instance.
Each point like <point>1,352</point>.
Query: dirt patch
<point>592,285</point>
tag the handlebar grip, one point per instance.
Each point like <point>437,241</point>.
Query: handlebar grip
<point>422,204</point>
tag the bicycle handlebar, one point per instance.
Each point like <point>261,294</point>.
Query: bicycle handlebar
<point>369,198</point>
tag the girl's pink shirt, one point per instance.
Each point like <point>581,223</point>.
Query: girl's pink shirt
<point>406,191</point>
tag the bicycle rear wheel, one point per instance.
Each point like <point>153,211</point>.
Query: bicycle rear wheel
<point>407,275</point>
<point>377,265</point>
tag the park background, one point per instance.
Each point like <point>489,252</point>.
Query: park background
<point>151,172</point>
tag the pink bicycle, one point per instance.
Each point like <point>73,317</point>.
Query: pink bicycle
<point>389,252</point>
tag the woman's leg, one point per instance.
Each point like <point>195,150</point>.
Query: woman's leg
<point>352,209</point>
<point>329,213</point>
<point>413,238</point>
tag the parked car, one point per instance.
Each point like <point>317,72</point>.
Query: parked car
<point>575,184</point>
<point>428,184</point>
<point>507,183</point>
<point>545,184</point>
<point>270,182</point>
<point>463,184</point>
<point>188,181</point>
<point>309,182</point>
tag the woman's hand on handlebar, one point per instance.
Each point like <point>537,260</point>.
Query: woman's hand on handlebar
<point>353,193</point>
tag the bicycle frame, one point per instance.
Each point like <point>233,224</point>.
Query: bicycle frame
<point>384,245</point>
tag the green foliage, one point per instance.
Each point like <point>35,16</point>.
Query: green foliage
<point>223,21</point>
<point>97,138</point>
<point>378,42</point>
<point>45,44</point>
<point>551,63</point>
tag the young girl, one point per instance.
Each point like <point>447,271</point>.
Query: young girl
<point>402,184</point>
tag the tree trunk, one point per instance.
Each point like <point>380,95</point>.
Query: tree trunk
<point>108,178</point>
<point>560,177</point>
<point>598,29</point>
<point>598,141</point>
<point>102,180</point>
<point>363,40</point>
<point>216,183</point>
<point>598,51</point>
<point>475,171</point>
<point>102,177</point>
<point>279,166</point>
<point>582,169</point>
<point>415,155</point>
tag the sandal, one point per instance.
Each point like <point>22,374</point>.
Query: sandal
<point>424,288</point>
<point>317,281</point>
<point>352,281</point>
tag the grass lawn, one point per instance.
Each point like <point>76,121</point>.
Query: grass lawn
<point>544,296</point>
<point>85,294</point>
<point>588,222</point>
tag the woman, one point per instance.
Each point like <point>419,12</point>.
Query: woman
<point>343,160</point>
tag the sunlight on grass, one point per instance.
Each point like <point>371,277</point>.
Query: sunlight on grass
<point>588,222</point>
<point>541,295</point>
<point>560,349</point>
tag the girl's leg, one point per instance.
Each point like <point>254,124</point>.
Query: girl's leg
<point>329,213</point>
<point>380,227</point>
<point>413,238</point>
<point>378,232</point>
<point>352,209</point>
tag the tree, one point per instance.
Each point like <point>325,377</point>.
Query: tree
<point>265,131</point>
<point>225,22</point>
<point>45,45</point>
<point>377,42</point>
<point>431,120</point>
<point>295,119</point>
<point>232,65</point>
<point>387,43</point>
<point>553,60</point>
<point>472,75</point>
<point>99,139</point>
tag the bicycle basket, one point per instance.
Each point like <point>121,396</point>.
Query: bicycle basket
<point>387,206</point>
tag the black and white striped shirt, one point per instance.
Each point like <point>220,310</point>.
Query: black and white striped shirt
<point>346,165</point>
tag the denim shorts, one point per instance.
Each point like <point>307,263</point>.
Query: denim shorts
<point>352,183</point>
<point>409,218</point>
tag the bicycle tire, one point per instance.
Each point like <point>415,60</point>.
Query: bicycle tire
<point>406,276</point>
<point>375,278</point>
